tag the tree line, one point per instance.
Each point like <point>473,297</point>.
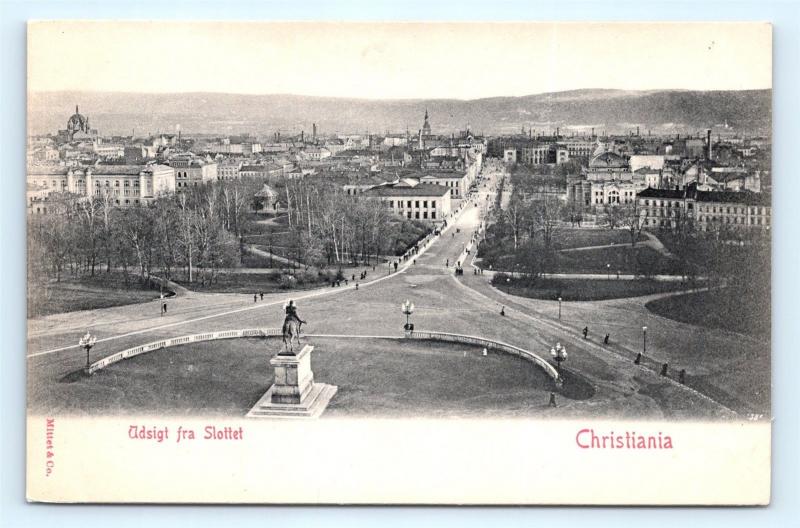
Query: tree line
<point>194,235</point>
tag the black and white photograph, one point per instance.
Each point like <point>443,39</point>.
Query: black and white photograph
<point>244,233</point>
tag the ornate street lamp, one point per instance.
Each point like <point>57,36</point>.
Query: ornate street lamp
<point>408,309</point>
<point>644,340</point>
<point>559,354</point>
<point>87,342</point>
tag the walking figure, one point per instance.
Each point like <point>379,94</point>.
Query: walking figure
<point>255,298</point>
<point>262,295</point>
<point>395,265</point>
<point>503,311</point>
<point>163,309</point>
<point>553,400</point>
<point>585,331</point>
<point>605,339</point>
<point>356,286</point>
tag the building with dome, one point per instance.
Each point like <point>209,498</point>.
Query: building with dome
<point>77,129</point>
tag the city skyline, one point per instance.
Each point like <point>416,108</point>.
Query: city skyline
<point>462,61</point>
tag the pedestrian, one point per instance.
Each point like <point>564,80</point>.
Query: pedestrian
<point>447,263</point>
<point>262,296</point>
<point>605,339</point>
<point>163,309</point>
<point>395,265</point>
<point>354,276</point>
<point>553,400</point>
<point>585,331</point>
<point>414,262</point>
<point>255,298</point>
<point>356,286</point>
<point>503,311</point>
<point>345,282</point>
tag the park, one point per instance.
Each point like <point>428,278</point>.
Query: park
<point>625,359</point>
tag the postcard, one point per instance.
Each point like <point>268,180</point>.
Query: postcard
<point>399,263</point>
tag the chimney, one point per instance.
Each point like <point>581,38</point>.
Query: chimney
<point>314,125</point>
<point>302,136</point>
<point>557,132</point>
<point>592,131</point>
<point>637,130</point>
<point>708,140</point>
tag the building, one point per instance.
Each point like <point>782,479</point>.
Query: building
<point>409,199</point>
<point>265,200</point>
<point>537,154</point>
<point>228,169</point>
<point>261,171</point>
<point>611,193</point>
<point>77,128</point>
<point>191,171</point>
<point>457,182</point>
<point>510,155</point>
<point>127,185</point>
<point>608,166</point>
<point>707,210</point>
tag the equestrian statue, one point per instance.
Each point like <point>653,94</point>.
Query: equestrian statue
<point>291,328</point>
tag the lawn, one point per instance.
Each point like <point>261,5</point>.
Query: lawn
<point>724,309</point>
<point>639,260</point>
<point>251,283</point>
<point>375,377</point>
<point>577,238</point>
<point>103,290</point>
<point>586,289</point>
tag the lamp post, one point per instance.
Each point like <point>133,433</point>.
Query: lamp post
<point>408,309</point>
<point>608,271</point>
<point>559,354</point>
<point>644,340</point>
<point>559,308</point>
<point>87,342</point>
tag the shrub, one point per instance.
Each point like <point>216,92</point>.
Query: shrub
<point>287,282</point>
<point>500,278</point>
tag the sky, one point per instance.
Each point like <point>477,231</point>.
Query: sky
<point>395,60</point>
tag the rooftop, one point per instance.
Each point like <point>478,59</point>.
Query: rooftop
<point>422,190</point>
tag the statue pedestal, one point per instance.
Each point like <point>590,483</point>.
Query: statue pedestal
<point>294,393</point>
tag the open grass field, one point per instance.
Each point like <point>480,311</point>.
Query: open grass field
<point>623,258</point>
<point>721,309</point>
<point>103,290</point>
<point>376,377</point>
<point>577,238</point>
<point>588,289</point>
<point>250,283</point>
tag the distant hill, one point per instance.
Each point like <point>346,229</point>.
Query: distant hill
<point>617,111</point>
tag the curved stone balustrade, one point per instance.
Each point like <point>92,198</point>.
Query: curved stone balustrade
<point>276,332</point>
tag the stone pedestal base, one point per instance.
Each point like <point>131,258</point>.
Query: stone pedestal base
<point>294,393</point>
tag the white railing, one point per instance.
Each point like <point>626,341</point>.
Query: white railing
<point>196,338</point>
<point>489,344</point>
<point>275,332</point>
